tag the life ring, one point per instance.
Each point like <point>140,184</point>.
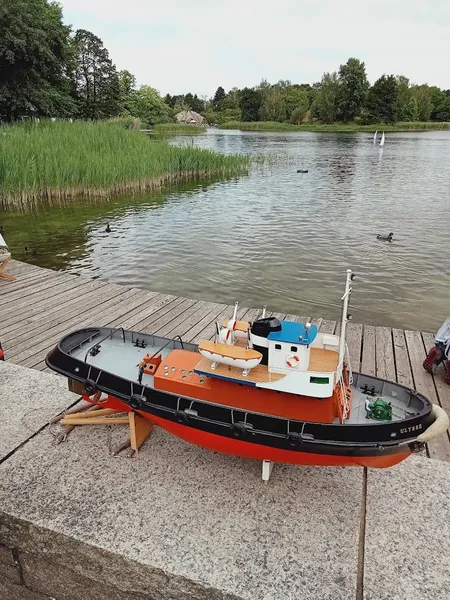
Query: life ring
<point>90,387</point>
<point>292,360</point>
<point>136,401</point>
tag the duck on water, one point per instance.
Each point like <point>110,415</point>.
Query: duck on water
<point>386,238</point>
<point>272,390</point>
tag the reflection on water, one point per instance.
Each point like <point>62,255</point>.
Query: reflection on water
<point>276,236</point>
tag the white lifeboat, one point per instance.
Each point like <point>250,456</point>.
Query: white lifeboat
<point>5,254</point>
<point>239,328</point>
<point>233,356</point>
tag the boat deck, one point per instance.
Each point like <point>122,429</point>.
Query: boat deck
<point>43,305</point>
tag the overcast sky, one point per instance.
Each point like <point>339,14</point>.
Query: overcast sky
<point>180,46</point>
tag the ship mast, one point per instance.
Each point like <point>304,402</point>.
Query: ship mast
<point>345,316</point>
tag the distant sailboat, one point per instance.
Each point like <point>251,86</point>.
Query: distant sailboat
<point>375,137</point>
<point>382,140</point>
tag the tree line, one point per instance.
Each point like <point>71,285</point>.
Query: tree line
<point>48,70</point>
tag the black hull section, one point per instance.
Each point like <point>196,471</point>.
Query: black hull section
<point>374,439</point>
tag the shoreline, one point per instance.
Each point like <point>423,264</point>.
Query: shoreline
<point>336,127</point>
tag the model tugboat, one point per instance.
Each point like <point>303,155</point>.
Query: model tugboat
<point>272,390</point>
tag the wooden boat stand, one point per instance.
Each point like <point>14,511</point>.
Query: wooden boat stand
<point>139,428</point>
<point>4,275</point>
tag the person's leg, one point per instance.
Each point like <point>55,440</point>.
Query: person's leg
<point>434,358</point>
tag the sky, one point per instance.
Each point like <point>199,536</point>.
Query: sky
<point>195,46</point>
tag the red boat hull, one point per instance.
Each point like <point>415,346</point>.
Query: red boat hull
<point>236,447</point>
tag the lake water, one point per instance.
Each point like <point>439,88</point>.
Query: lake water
<point>275,237</point>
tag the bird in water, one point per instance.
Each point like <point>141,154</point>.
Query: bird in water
<point>30,251</point>
<point>386,238</point>
<point>2,229</point>
<point>108,229</point>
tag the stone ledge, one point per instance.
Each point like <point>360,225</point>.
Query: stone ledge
<point>8,566</point>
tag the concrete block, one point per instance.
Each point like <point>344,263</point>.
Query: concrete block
<point>407,547</point>
<point>12,591</point>
<point>182,522</point>
<point>8,567</point>
<point>28,399</point>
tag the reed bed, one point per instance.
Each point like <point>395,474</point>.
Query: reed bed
<point>62,160</point>
<point>178,129</point>
<point>334,127</point>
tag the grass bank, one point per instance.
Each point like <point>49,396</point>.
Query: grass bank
<point>61,160</point>
<point>334,127</point>
<point>178,129</point>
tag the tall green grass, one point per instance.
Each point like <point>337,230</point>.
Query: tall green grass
<point>334,127</point>
<point>58,160</point>
<point>178,129</point>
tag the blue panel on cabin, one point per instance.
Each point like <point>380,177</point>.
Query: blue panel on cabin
<point>294,333</point>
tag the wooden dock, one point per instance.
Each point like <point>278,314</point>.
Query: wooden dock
<point>42,305</point>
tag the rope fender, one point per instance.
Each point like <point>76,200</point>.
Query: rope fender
<point>436,429</point>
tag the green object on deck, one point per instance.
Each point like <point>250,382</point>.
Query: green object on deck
<point>379,410</point>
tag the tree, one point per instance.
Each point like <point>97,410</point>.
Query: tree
<point>218,97</point>
<point>35,60</point>
<point>423,97</point>
<point>250,103</point>
<point>404,97</point>
<point>96,81</point>
<point>150,107</point>
<point>273,106</point>
<point>325,105</point>
<point>437,97</point>
<point>299,112</point>
<point>354,88</point>
<point>443,111</point>
<point>382,100</point>
<point>296,99</point>
<point>127,86</point>
<point>410,111</point>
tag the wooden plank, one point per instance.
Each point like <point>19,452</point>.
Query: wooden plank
<point>368,350</point>
<point>402,366</point>
<point>423,382</point>
<point>296,318</point>
<point>157,302</point>
<point>67,299</point>
<point>196,314</point>
<point>28,351</point>
<point>52,319</point>
<point>327,326</point>
<point>153,325</point>
<point>353,336</point>
<point>8,290</point>
<point>384,352</point>
<point>30,288</point>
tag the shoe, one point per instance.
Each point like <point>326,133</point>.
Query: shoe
<point>434,356</point>
<point>447,370</point>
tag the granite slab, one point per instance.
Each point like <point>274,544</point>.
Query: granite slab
<point>407,542</point>
<point>197,517</point>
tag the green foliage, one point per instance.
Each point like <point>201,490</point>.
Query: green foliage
<point>148,106</point>
<point>127,86</point>
<point>443,110</point>
<point>437,97</point>
<point>296,98</point>
<point>273,106</point>
<point>353,88</point>
<point>61,160</point>
<point>178,129</point>
<point>422,95</point>
<point>325,105</point>
<point>382,100</point>
<point>219,97</point>
<point>250,103</point>
<point>96,80</point>
<point>410,111</point>
<point>299,113</point>
<point>35,57</point>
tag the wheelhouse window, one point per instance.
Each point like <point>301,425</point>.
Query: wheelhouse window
<point>293,348</point>
<point>319,380</point>
<point>277,346</point>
